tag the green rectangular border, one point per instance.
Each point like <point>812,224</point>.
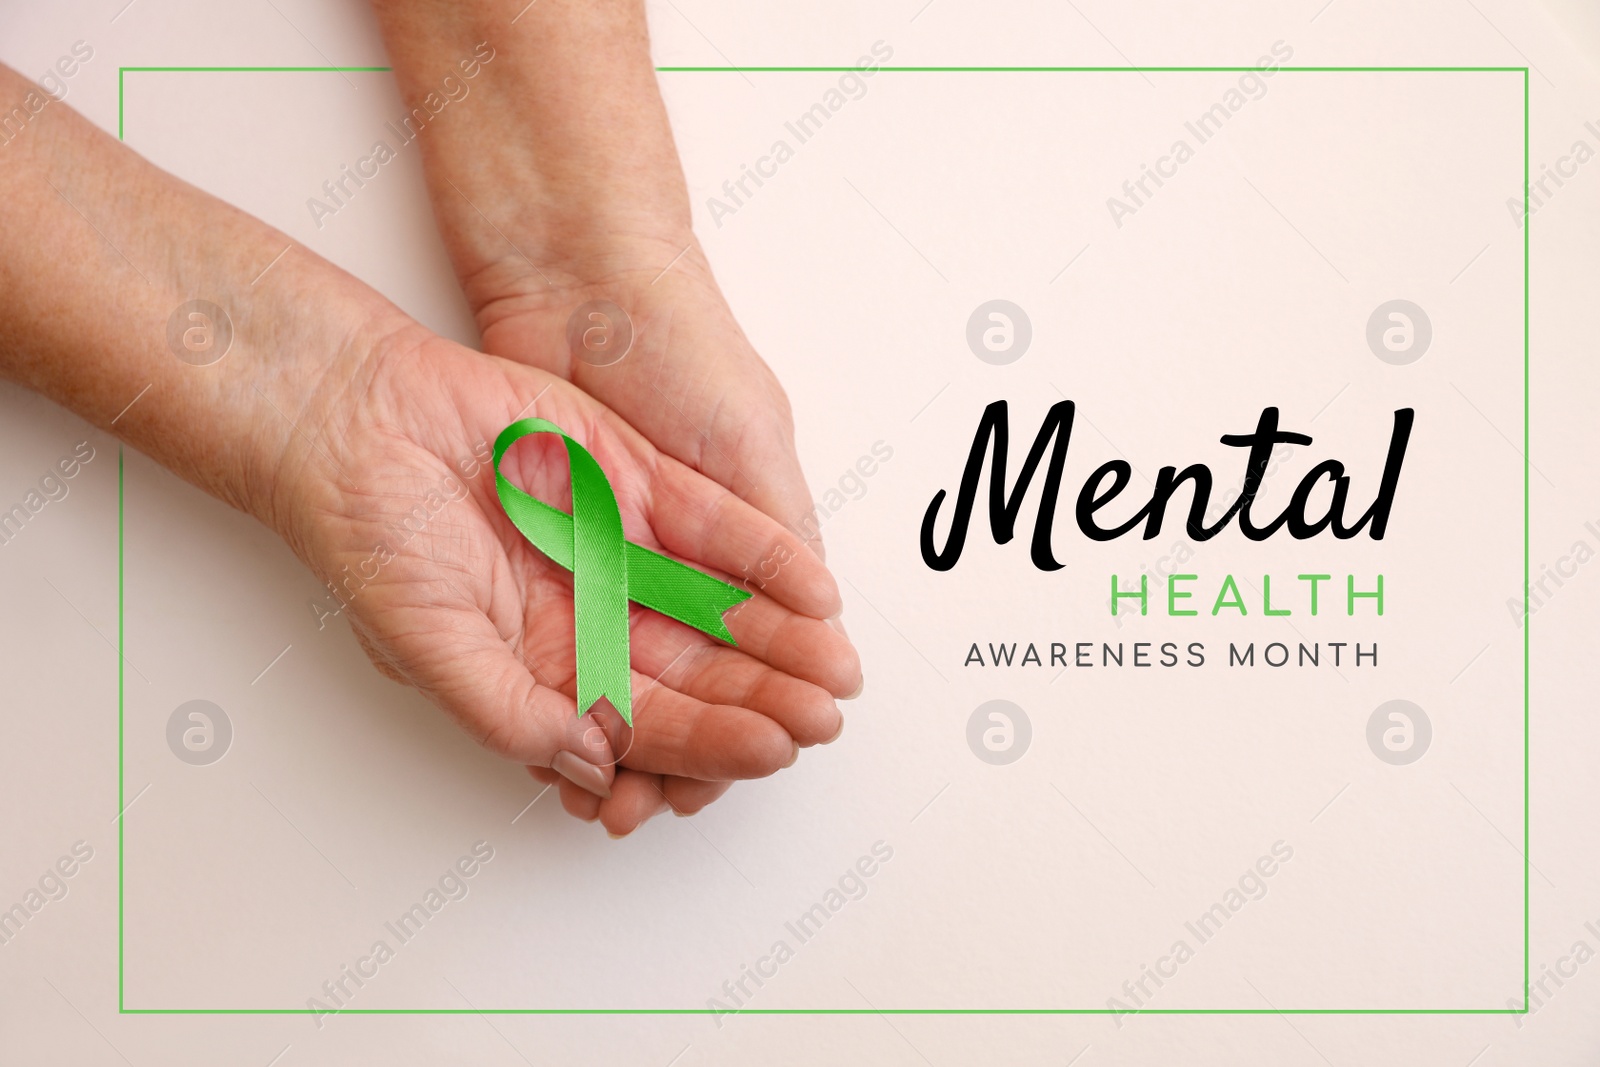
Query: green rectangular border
<point>122,1007</point>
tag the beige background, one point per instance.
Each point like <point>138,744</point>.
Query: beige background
<point>1047,883</point>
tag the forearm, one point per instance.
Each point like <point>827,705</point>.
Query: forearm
<point>557,144</point>
<point>98,250</point>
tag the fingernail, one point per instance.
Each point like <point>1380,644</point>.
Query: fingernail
<point>837,622</point>
<point>615,837</point>
<point>794,758</point>
<point>582,774</point>
<point>859,687</point>
<point>836,733</point>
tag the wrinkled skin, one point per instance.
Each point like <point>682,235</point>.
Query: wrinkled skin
<point>481,622</point>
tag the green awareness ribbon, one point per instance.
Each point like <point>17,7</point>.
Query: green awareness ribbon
<point>607,570</point>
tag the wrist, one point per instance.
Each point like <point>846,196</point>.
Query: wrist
<point>195,333</point>
<point>549,156</point>
<point>291,403</point>
<point>526,228</point>
<point>641,263</point>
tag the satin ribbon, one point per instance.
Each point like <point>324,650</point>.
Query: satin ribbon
<point>607,570</point>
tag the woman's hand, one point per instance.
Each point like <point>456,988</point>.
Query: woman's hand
<point>692,383</point>
<point>332,417</point>
<point>447,596</point>
<point>555,180</point>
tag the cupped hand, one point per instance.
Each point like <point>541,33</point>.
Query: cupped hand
<point>691,383</point>
<point>394,503</point>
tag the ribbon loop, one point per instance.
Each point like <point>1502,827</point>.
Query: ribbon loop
<point>607,570</point>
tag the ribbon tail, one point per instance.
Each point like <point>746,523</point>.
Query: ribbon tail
<point>681,592</point>
<point>600,588</point>
<point>598,679</point>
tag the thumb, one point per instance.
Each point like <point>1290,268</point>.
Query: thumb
<point>456,657</point>
<point>782,491</point>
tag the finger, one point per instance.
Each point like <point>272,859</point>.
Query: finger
<point>453,654</point>
<point>629,807</point>
<point>717,529</point>
<point>716,674</point>
<point>693,518</point>
<point>635,797</point>
<point>806,648</point>
<point>688,796</point>
<point>684,796</point>
<point>748,445</point>
<point>780,489</point>
<point>580,803</point>
<point>679,735</point>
